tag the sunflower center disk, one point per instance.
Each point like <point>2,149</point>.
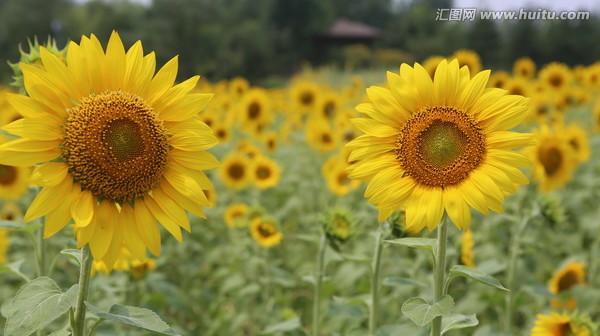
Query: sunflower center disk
<point>440,145</point>
<point>567,281</point>
<point>8,175</point>
<point>551,159</point>
<point>263,172</point>
<point>115,146</point>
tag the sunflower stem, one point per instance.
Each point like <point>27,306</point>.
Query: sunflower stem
<point>84,284</point>
<point>439,273</point>
<point>318,281</point>
<point>41,251</point>
<point>515,250</point>
<point>376,269</point>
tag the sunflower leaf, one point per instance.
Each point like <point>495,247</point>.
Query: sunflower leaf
<point>472,273</point>
<point>422,312</point>
<point>285,326</point>
<point>73,254</point>
<point>428,244</point>
<point>15,268</point>
<point>458,321</point>
<point>134,316</point>
<point>36,305</point>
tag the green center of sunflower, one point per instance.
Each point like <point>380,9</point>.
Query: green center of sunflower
<point>440,146</point>
<point>115,146</point>
<point>551,159</point>
<point>8,175</point>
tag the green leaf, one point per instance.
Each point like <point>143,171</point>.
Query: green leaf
<point>134,316</point>
<point>422,313</point>
<point>285,326</point>
<point>428,244</point>
<point>73,254</point>
<point>15,268</point>
<point>460,270</point>
<point>396,281</point>
<point>36,305</point>
<point>458,321</point>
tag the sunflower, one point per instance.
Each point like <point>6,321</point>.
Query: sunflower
<point>255,108</point>
<point>553,159</point>
<point>117,147</point>
<point>305,95</point>
<point>591,76</point>
<point>469,58</point>
<point>14,180</point>
<point>524,67</point>
<point>556,76</point>
<point>542,108</point>
<point>435,146</point>
<point>235,171</point>
<point>222,132</point>
<point>320,136</point>
<point>4,243</point>
<point>466,249</point>
<point>248,149</point>
<point>238,86</point>
<point>265,232</point>
<point>431,63</point>
<point>10,211</point>
<point>499,79</point>
<point>328,105</point>
<point>270,140</point>
<point>236,214</point>
<point>555,324</point>
<point>567,277</point>
<point>578,140</point>
<point>335,171</point>
<point>517,86</point>
<point>266,172</point>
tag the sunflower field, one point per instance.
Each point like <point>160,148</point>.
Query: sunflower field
<point>433,197</point>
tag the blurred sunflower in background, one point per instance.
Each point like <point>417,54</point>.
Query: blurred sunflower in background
<point>266,172</point>
<point>335,171</point>
<point>255,108</point>
<point>10,211</point>
<point>524,67</point>
<point>138,268</point>
<point>14,180</point>
<point>553,159</point>
<point>439,146</point>
<point>556,324</point>
<point>498,79</point>
<point>320,136</point>
<point>236,215</point>
<point>4,244</point>
<point>235,171</point>
<point>304,96</point>
<point>466,248</point>
<point>556,76</point>
<point>265,232</point>
<point>116,151</point>
<point>568,276</point>
<point>468,58</point>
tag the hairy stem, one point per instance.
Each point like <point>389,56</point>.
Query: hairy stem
<point>84,284</point>
<point>376,268</point>
<point>318,281</point>
<point>439,273</point>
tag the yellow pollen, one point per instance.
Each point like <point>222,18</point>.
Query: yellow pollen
<point>115,146</point>
<point>440,145</point>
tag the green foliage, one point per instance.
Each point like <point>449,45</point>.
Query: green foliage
<point>37,304</point>
<point>134,316</point>
<point>422,312</point>
<point>472,273</point>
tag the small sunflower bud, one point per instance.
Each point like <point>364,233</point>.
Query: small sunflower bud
<point>32,56</point>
